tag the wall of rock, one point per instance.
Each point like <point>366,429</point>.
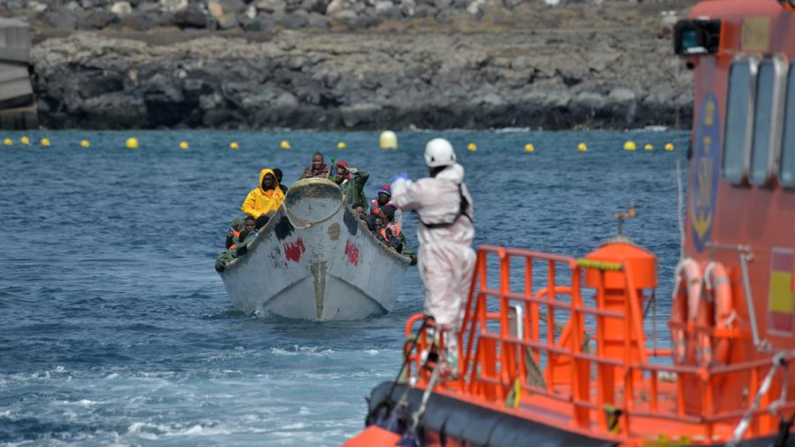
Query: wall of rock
<point>446,66</point>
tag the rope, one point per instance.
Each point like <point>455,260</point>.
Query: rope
<point>417,415</point>
<point>307,223</point>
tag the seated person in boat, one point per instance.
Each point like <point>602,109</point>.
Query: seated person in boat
<point>384,199</point>
<point>243,241</point>
<point>319,168</point>
<point>234,230</point>
<point>358,210</point>
<point>351,181</point>
<point>279,175</point>
<point>265,198</point>
<point>391,233</point>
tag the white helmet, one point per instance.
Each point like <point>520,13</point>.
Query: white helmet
<point>439,152</point>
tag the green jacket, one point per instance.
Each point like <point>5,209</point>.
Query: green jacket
<point>240,249</point>
<point>353,189</point>
<point>407,252</point>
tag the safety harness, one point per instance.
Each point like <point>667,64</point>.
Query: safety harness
<point>461,212</point>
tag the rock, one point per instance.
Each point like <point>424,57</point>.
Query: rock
<point>215,9</point>
<point>37,7</point>
<point>336,6</point>
<point>61,19</point>
<point>476,8</point>
<point>262,23</point>
<point>191,17</point>
<point>97,20</point>
<point>345,15</point>
<point>621,95</point>
<point>296,19</point>
<point>286,100</point>
<point>442,4</point>
<point>510,4</point>
<point>137,22</point>
<point>251,12</point>
<point>271,6</point>
<point>121,9</point>
<point>233,6</point>
<point>408,8</point>
<point>173,6</point>
<point>424,11</point>
<point>319,21</point>
<point>228,21</point>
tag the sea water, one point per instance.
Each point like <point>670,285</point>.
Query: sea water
<point>116,330</point>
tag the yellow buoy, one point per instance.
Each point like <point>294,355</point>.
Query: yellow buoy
<point>85,143</point>
<point>8,141</point>
<point>669,147</point>
<point>388,140</point>
<point>184,145</point>
<point>582,147</point>
<point>45,142</point>
<point>132,143</point>
<point>529,148</point>
<point>630,146</point>
<point>234,145</point>
<point>341,145</point>
<point>285,144</point>
<point>25,141</point>
<point>472,147</point>
<point>648,147</point>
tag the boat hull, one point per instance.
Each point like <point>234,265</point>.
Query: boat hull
<point>315,260</point>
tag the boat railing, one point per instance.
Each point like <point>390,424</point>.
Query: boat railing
<point>577,357</point>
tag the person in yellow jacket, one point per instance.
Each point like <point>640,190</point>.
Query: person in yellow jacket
<point>265,198</point>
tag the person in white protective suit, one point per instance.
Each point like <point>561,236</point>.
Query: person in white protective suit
<point>445,232</point>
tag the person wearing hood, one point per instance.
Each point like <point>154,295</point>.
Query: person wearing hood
<point>265,198</point>
<point>445,232</point>
<point>351,181</point>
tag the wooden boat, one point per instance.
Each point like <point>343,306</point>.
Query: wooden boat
<point>572,358</point>
<point>315,260</point>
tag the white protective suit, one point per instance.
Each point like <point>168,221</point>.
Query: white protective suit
<point>446,257</point>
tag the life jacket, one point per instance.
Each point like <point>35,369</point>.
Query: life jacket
<point>375,206</point>
<point>395,232</point>
<point>461,212</point>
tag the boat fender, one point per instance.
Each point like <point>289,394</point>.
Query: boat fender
<point>718,290</point>
<point>686,301</point>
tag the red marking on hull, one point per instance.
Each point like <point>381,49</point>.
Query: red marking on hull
<point>352,252</point>
<point>294,251</point>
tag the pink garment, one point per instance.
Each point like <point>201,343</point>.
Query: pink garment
<point>446,257</point>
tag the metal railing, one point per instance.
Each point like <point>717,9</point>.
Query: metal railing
<point>605,395</point>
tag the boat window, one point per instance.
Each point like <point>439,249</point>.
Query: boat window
<point>787,175</point>
<point>739,119</point>
<point>767,121</point>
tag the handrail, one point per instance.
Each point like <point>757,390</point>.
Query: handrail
<point>628,387</point>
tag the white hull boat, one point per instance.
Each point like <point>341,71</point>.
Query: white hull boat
<point>315,260</point>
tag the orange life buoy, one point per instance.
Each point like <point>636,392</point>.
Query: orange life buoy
<point>686,301</point>
<point>719,292</point>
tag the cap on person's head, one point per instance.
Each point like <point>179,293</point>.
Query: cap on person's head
<point>385,189</point>
<point>342,164</point>
<point>279,174</point>
<point>389,212</point>
<point>262,220</point>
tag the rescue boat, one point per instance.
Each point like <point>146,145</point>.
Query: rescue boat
<point>559,351</point>
<point>315,260</point>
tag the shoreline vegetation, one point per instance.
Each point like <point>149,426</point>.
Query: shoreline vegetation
<point>355,65</point>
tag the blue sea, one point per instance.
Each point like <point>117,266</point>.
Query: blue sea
<point>116,330</point>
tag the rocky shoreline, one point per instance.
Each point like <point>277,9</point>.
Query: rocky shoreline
<point>450,65</point>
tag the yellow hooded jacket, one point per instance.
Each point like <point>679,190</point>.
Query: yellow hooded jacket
<point>259,202</point>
